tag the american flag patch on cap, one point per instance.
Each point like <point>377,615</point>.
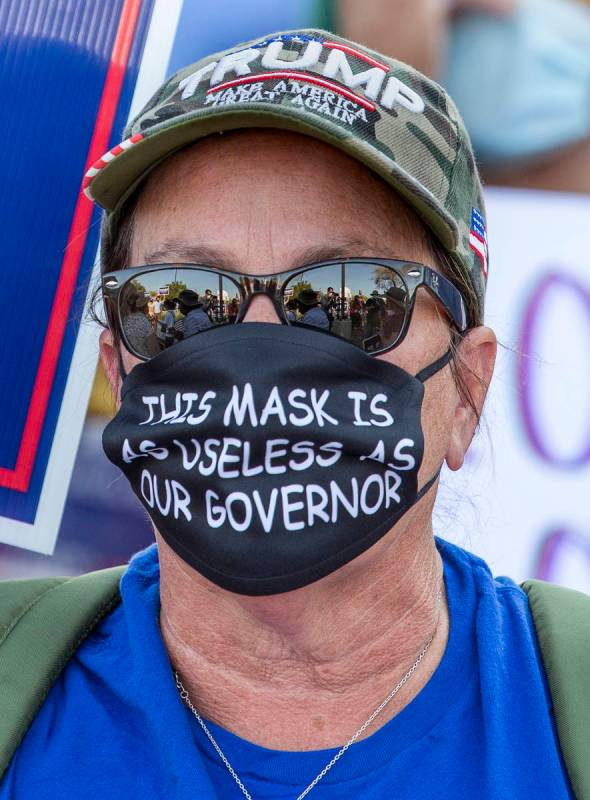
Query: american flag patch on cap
<point>478,240</point>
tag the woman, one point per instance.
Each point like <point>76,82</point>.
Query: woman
<point>298,628</point>
<point>137,325</point>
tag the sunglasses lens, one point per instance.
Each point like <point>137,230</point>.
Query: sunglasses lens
<point>164,306</point>
<point>364,303</point>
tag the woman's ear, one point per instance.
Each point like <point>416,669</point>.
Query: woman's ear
<point>474,365</point>
<point>109,357</point>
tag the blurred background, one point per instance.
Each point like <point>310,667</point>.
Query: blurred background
<point>519,70</point>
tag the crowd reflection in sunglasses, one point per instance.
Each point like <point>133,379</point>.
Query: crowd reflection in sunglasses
<point>154,322</point>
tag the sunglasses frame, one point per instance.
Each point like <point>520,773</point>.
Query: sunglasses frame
<point>413,274</point>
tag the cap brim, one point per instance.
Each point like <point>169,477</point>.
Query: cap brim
<point>118,178</point>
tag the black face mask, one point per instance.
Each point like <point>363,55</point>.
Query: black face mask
<point>269,456</point>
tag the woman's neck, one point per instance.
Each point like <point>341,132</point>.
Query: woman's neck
<point>303,670</point>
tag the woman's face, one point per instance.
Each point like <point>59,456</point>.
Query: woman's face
<point>263,201</point>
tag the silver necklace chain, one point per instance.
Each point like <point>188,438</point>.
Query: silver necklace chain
<point>184,696</point>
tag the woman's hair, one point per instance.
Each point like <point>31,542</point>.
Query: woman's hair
<point>447,267</point>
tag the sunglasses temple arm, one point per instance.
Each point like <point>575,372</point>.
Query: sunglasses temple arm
<point>449,296</point>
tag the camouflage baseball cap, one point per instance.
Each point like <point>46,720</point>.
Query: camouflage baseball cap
<point>380,111</point>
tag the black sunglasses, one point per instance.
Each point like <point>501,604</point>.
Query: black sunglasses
<point>367,301</point>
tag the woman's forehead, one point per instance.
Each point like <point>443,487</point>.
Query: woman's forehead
<point>258,198</point>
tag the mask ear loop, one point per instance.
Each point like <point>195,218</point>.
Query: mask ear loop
<point>422,376</point>
<point>429,484</point>
<point>122,371</point>
<point>435,367</point>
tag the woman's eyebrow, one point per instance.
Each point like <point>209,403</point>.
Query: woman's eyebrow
<point>173,250</point>
<point>347,248</point>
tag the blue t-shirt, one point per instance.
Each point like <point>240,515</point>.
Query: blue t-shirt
<point>113,725</point>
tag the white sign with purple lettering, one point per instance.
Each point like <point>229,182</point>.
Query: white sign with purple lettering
<point>521,501</point>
